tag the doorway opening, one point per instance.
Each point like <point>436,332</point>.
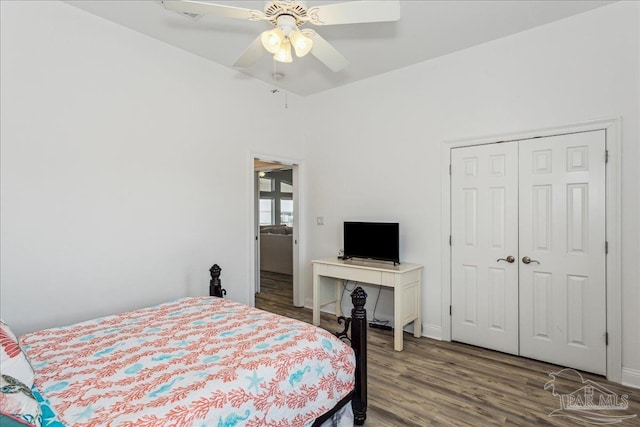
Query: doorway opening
<point>275,225</point>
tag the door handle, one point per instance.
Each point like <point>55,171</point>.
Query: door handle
<point>528,260</point>
<point>509,259</point>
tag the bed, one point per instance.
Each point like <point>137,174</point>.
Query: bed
<point>201,361</point>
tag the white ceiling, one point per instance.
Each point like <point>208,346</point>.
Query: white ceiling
<point>426,30</point>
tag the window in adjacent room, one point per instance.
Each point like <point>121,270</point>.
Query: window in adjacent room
<point>266,211</point>
<point>286,187</point>
<point>276,198</point>
<point>286,212</point>
<point>266,184</point>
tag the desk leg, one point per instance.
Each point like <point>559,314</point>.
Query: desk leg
<point>398,315</point>
<point>417,324</point>
<point>316,300</point>
<point>338,297</point>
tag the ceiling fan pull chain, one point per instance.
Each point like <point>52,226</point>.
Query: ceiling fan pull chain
<point>277,76</point>
<point>273,77</point>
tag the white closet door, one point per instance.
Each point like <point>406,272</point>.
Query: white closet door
<point>484,215</point>
<point>562,229</point>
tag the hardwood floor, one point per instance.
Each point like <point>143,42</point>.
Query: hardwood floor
<point>435,383</point>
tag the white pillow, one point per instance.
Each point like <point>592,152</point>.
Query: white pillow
<point>13,361</point>
<point>18,402</point>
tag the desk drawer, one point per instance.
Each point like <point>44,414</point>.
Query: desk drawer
<point>355,274</point>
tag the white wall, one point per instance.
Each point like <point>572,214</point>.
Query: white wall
<point>125,167</point>
<point>384,142</point>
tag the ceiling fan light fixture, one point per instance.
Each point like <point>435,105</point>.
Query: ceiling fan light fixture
<point>301,43</point>
<point>287,16</point>
<point>272,40</point>
<point>284,54</point>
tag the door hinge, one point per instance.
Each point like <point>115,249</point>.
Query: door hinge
<point>449,169</point>
<point>606,156</point>
<point>449,310</point>
<point>449,239</point>
<point>606,248</point>
<point>606,338</point>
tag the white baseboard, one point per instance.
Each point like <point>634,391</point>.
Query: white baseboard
<point>308,303</point>
<point>329,308</point>
<point>432,331</point>
<point>631,377</point>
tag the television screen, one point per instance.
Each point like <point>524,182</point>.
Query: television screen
<point>374,240</point>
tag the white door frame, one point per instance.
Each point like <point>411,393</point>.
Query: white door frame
<point>298,297</point>
<point>612,127</point>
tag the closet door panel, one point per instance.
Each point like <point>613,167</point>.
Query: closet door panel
<point>484,200</point>
<point>562,232</point>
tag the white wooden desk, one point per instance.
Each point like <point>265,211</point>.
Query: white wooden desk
<point>405,279</point>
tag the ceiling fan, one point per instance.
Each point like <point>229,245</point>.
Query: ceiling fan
<point>288,16</point>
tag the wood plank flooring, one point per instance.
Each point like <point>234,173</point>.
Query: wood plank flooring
<point>435,383</point>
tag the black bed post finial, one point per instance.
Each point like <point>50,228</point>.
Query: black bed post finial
<point>359,344</point>
<point>215,286</point>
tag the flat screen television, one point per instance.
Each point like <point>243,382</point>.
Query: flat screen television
<point>372,240</point>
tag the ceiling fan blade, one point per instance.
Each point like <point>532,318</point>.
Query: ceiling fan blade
<point>203,8</point>
<point>355,12</point>
<point>251,55</point>
<point>326,53</point>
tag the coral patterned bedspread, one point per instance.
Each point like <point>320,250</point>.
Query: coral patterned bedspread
<point>198,361</point>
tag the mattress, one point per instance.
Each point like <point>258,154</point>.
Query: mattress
<point>193,361</point>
